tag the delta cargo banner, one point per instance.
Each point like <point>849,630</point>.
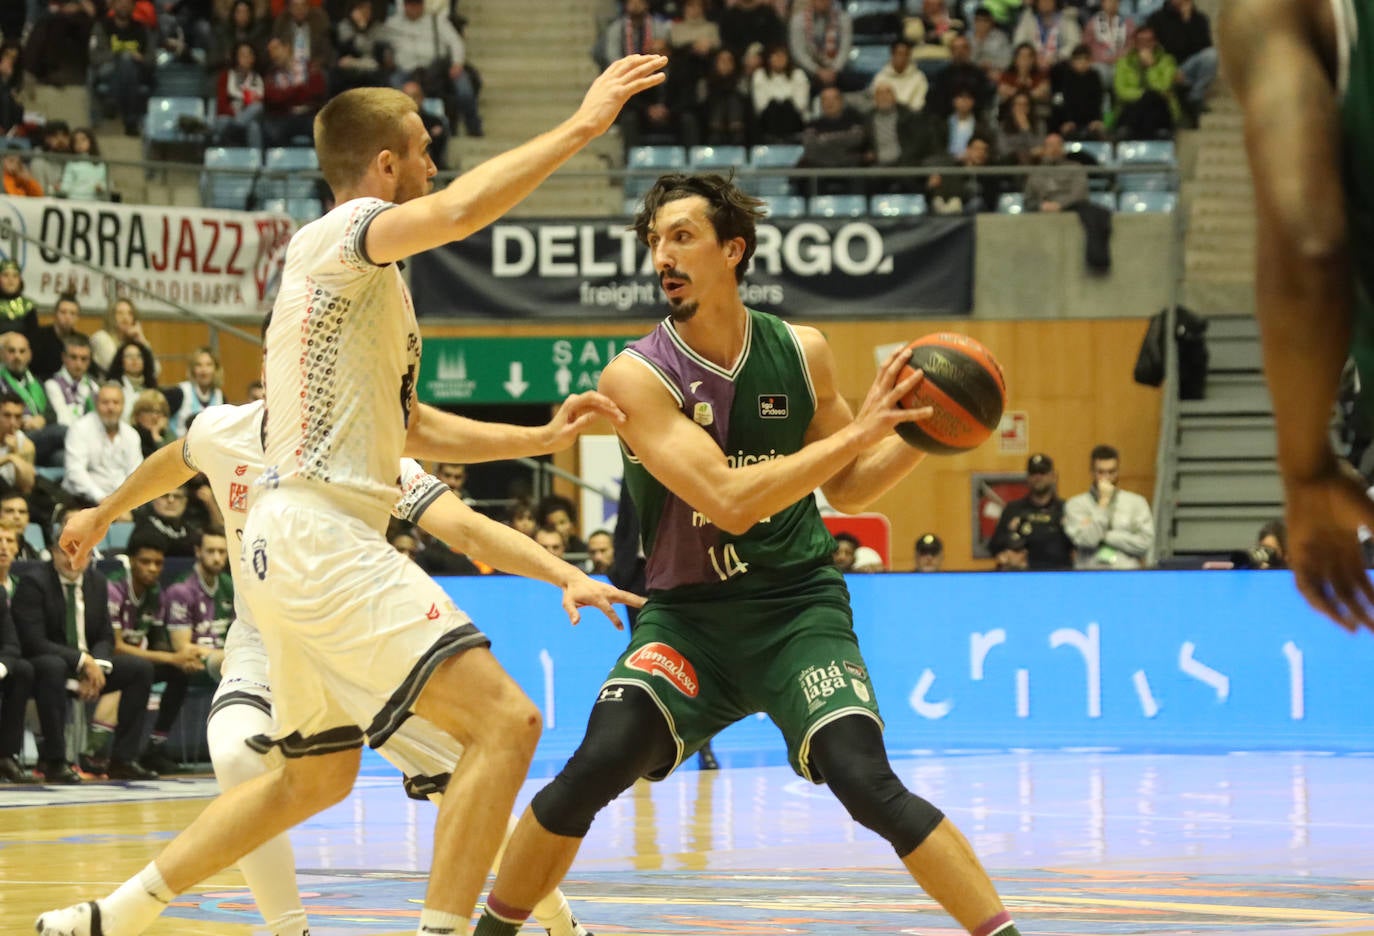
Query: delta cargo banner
<point>217,262</point>
<point>812,268</point>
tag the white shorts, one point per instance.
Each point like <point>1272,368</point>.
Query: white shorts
<point>353,628</point>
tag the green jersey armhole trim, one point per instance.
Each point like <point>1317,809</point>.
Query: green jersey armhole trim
<point>658,372</point>
<point>1347,36</point>
<point>805,364</point>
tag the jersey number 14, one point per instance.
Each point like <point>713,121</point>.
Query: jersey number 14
<point>728,564</point>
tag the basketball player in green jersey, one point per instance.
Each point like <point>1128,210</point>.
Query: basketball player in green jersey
<point>732,420</point>
<point>1303,71</point>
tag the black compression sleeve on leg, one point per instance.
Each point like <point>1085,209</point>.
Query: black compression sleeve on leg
<point>627,737</point>
<point>850,755</point>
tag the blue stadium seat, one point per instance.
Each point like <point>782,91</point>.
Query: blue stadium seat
<point>1102,152</point>
<point>1146,182</point>
<point>868,60</point>
<point>1011,203</point>
<point>289,163</point>
<point>785,206</point>
<point>1134,152</point>
<point>117,537</point>
<point>660,158</point>
<point>275,205</point>
<point>838,206</point>
<point>164,114</point>
<point>15,143</point>
<point>1103,200</point>
<point>723,158</point>
<point>180,79</point>
<point>772,156</point>
<point>897,206</point>
<point>433,106</point>
<point>226,189</point>
<point>304,210</point>
<point>1148,201</point>
<point>632,206</point>
<point>33,535</point>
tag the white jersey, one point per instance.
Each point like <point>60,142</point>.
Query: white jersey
<point>343,352</point>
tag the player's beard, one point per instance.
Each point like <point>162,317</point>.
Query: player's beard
<point>683,310</point>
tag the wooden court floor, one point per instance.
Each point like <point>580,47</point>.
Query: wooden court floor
<point>1079,844</point>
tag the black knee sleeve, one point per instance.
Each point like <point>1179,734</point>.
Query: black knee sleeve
<point>850,756</point>
<point>627,738</point>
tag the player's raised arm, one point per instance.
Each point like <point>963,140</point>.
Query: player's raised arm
<point>687,460</point>
<point>1303,279</point>
<point>440,436</point>
<point>160,472</point>
<point>477,198</point>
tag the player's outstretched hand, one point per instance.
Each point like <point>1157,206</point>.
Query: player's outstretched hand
<point>576,416</point>
<point>880,412</point>
<point>82,533</point>
<point>1324,515</point>
<point>586,592</point>
<point>622,80</point>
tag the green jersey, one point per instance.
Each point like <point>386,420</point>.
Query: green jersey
<point>1355,84</point>
<point>756,411</point>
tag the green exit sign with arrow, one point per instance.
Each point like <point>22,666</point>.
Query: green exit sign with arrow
<point>514,370</point>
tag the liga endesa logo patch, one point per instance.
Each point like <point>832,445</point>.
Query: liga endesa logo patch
<point>659,659</point>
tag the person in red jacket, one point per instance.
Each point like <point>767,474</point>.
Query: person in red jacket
<point>294,91</point>
<point>242,93</point>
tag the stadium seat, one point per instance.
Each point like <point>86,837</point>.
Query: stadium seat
<point>868,60</point>
<point>717,157</point>
<point>896,206</point>
<point>785,206</point>
<point>1148,201</point>
<point>33,535</point>
<point>632,206</point>
<point>275,205</point>
<point>14,143</point>
<point>931,67</point>
<point>1134,152</point>
<point>228,189</point>
<point>180,79</point>
<point>164,118</point>
<point>289,163</point>
<point>304,210</point>
<point>1101,152</point>
<point>838,206</point>
<point>1103,200</point>
<point>659,158</point>
<point>772,156</point>
<point>1011,203</point>
<point>1146,182</point>
<point>117,537</point>
<point>433,106</point>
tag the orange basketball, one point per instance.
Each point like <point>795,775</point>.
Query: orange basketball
<point>964,384</point>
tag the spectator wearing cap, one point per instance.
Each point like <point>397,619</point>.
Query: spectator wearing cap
<point>1110,528</point>
<point>846,545</point>
<point>867,559</point>
<point>930,553</point>
<point>1030,533</point>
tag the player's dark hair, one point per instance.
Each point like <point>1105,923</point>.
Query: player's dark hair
<point>146,538</point>
<point>1103,453</point>
<point>732,212</point>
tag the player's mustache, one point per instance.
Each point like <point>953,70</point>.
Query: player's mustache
<point>673,275</point>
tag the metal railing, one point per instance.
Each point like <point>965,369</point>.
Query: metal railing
<point>1166,454</point>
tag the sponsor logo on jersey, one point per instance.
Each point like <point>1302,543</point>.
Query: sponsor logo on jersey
<point>821,682</point>
<point>239,470</point>
<point>611,694</point>
<point>260,558</point>
<point>773,405</point>
<point>659,659</point>
<point>702,414</point>
<point>433,613</point>
<point>238,497</point>
<point>693,385</point>
<point>855,670</point>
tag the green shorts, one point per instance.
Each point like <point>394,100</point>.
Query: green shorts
<point>788,651</point>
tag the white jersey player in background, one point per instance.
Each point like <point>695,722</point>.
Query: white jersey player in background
<point>225,444</point>
<point>359,639</point>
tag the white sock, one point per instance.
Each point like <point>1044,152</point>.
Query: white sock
<point>136,904</point>
<point>439,923</point>
<point>554,914</point>
<point>293,923</point>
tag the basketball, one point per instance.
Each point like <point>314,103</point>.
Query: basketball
<point>964,384</point>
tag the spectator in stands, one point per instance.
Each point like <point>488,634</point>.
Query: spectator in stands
<point>16,451</point>
<point>990,46</point>
<point>16,674</point>
<point>1110,528</point>
<point>836,139</point>
<point>48,341</point>
<point>11,87</point>
<point>241,25</point>
<point>781,93</point>
<point>255,391</point>
<point>600,552</point>
<point>559,513</point>
<point>1025,75</point>
<point>58,49</point>
<point>548,537</point>
<point>203,389</point>
<point>138,616</point>
<point>430,49</point>
<point>165,518</point>
<point>961,72</point>
<point>723,111</point>
<point>846,544</point>
<point>930,553</point>
<point>937,28</point>
<point>437,559</point>
<point>747,22</point>
<point>40,419</point>
<point>692,44</point>
<point>820,36</point>
<point>18,180</point>
<point>403,539</point>
<point>1030,532</point>
<point>85,177</point>
<point>1056,191</point>
<point>899,137</point>
<point>151,419</point>
<point>1147,107</point>
<point>292,94</point>
<point>122,54</point>
<point>101,449</point>
<point>908,83</point>
<point>62,613</point>
<point>455,478</point>
<point>635,31</point>
<point>1109,35</point>
<point>963,125</point>
<point>71,392</point>
<point>358,38</point>
<point>1273,541</point>
<point>304,29</point>
<point>1185,32</point>
<point>57,138</point>
<point>242,96</point>
<point>14,517</point>
<point>17,311</point>
<point>200,608</point>
<point>522,519</point>
<point>435,121</point>
<point>1052,33</point>
<point>1077,86</point>
<point>1020,136</point>
<point>867,560</point>
<point>133,372</point>
<point>121,325</point>
<point>960,194</point>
